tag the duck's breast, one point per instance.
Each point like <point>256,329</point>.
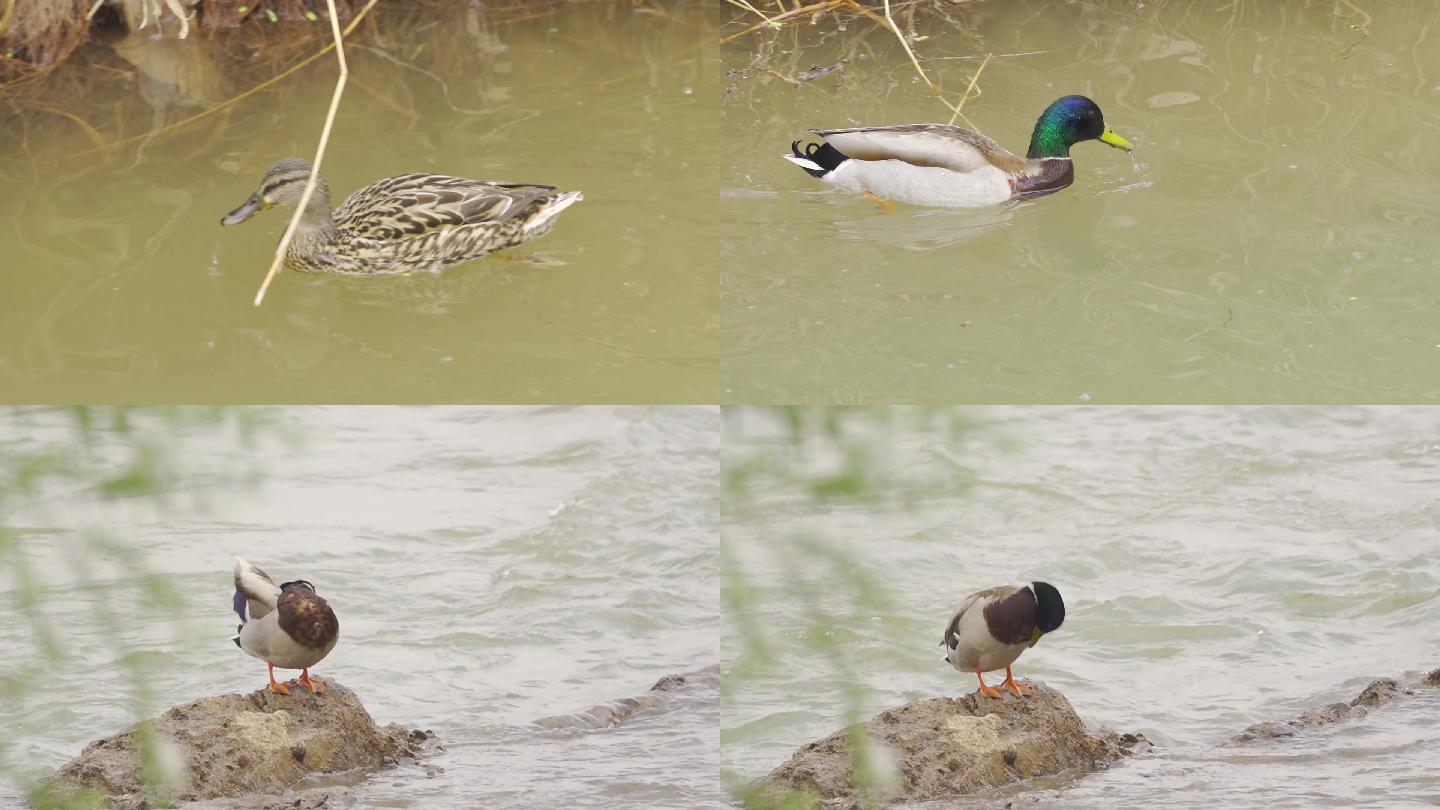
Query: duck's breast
<point>265,640</point>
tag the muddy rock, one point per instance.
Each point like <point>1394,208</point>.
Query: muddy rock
<point>951,746</point>
<point>1378,693</point>
<point>669,691</point>
<point>255,745</point>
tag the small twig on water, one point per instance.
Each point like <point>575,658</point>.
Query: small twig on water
<point>774,22</point>
<point>1363,28</point>
<point>748,7</point>
<point>966,95</point>
<point>319,153</point>
<point>934,89</point>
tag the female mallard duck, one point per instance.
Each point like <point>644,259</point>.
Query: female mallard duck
<point>289,625</point>
<point>993,627</point>
<point>405,223</point>
<point>936,164</point>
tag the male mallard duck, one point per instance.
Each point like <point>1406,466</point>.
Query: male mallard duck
<point>936,164</point>
<point>993,627</point>
<point>405,223</point>
<point>289,625</point>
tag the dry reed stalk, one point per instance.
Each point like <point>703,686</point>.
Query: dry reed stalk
<point>966,95</point>
<point>887,21</point>
<point>934,89</point>
<point>319,151</point>
<point>826,5</point>
<point>745,4</point>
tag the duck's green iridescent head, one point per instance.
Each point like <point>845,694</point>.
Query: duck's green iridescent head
<point>1068,121</point>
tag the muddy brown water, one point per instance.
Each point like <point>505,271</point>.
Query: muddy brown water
<point>1270,239</point>
<point>118,282</point>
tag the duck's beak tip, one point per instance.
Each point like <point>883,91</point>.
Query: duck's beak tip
<point>242,213</point>
<point>1109,137</point>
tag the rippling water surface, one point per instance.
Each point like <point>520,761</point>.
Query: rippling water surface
<point>488,567</point>
<point>1220,567</point>
<point>1270,239</point>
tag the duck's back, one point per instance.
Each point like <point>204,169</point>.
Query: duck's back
<point>428,222</point>
<point>412,205</point>
<point>929,145</point>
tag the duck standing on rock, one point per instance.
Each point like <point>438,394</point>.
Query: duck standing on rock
<point>943,165</point>
<point>993,627</point>
<point>288,626</point>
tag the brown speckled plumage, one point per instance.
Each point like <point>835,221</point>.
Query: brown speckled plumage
<point>406,223</point>
<point>306,617</point>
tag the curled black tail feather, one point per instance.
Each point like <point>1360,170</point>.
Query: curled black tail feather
<point>823,155</point>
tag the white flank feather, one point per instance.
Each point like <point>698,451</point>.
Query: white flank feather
<point>804,163</point>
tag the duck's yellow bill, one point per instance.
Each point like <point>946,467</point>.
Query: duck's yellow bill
<point>1109,136</point>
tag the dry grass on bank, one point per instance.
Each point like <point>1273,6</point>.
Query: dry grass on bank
<point>122,89</point>
<point>36,36</point>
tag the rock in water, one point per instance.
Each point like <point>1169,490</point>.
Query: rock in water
<point>1378,693</point>
<point>669,691</point>
<point>951,746</point>
<point>239,744</point>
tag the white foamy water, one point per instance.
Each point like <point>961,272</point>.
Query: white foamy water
<point>1220,567</point>
<point>489,567</point>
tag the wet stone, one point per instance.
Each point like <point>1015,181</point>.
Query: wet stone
<point>945,747</point>
<point>253,749</point>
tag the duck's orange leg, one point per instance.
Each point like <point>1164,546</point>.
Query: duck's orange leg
<point>275,686</point>
<point>315,685</point>
<point>987,691</point>
<point>885,205</point>
<point>1018,689</point>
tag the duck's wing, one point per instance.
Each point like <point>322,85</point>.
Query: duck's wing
<point>254,589</point>
<point>307,618</point>
<point>975,601</point>
<point>412,205</point>
<point>948,147</point>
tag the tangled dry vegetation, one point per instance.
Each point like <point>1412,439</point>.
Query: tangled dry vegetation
<point>779,47</point>
<point>38,35</point>
<point>757,15</point>
<point>82,84</point>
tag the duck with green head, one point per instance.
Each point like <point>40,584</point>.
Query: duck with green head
<point>941,165</point>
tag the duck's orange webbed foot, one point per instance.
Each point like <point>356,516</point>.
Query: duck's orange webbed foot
<point>276,686</point>
<point>885,205</point>
<point>315,686</point>
<point>987,691</point>
<point>1019,689</point>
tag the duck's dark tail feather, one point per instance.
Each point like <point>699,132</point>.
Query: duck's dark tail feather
<point>817,159</point>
